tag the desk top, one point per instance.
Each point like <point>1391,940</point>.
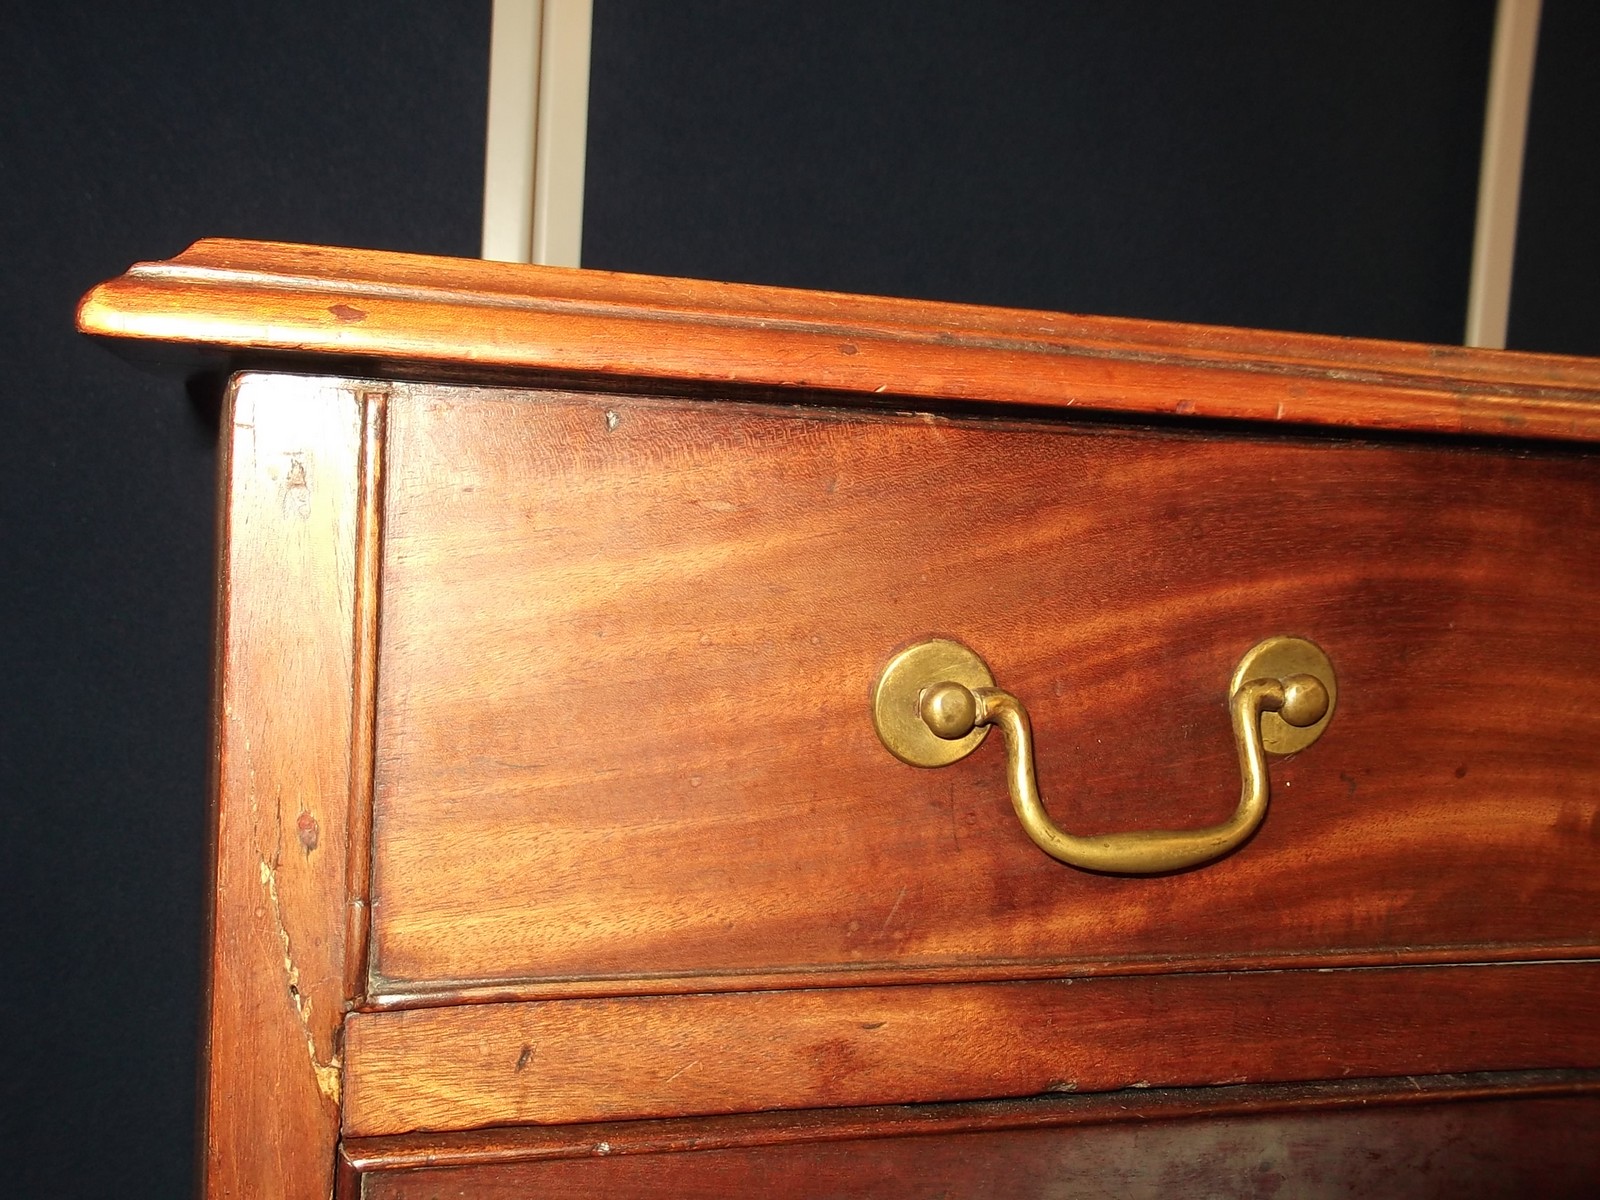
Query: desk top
<point>242,303</point>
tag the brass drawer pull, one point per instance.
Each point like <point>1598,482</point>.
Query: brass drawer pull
<point>935,701</point>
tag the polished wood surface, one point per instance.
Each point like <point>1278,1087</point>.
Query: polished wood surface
<point>547,789</point>
<point>1548,1148</point>
<point>280,956</point>
<point>629,644</point>
<point>536,1143</point>
<point>462,1066</point>
<point>413,316</point>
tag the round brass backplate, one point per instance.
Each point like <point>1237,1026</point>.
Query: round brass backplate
<point>1279,658</point>
<point>898,694</point>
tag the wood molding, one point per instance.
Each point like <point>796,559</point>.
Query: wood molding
<point>415,316</point>
<point>510,991</point>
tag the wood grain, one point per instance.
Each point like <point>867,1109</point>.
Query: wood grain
<point>364,691</point>
<point>533,1143</point>
<point>279,955</point>
<point>629,646</point>
<point>1548,1148</point>
<point>413,316</point>
<point>600,660</point>
<point>586,1060</point>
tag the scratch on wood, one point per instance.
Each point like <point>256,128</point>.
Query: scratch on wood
<point>955,825</point>
<point>326,1074</point>
<point>249,455</point>
<point>680,1071</point>
<point>894,908</point>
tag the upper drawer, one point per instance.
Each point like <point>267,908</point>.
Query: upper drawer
<point>625,742</point>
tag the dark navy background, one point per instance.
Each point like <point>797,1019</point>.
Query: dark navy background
<point>127,131</point>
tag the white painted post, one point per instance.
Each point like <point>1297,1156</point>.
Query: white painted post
<point>1505,132</point>
<point>509,150</point>
<point>538,131</point>
<point>563,139</point>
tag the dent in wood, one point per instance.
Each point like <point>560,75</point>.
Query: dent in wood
<point>296,489</point>
<point>308,830</point>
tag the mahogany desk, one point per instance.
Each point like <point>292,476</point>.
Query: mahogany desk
<point>572,630</point>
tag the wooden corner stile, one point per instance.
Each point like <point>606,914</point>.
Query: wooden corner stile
<point>294,634</point>
<point>364,691</point>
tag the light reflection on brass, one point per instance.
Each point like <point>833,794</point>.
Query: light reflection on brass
<point>896,700</point>
<point>953,710</point>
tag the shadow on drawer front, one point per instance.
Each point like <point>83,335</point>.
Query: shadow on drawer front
<point>1524,1135</point>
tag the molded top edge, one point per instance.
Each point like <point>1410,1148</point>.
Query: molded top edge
<point>420,315</point>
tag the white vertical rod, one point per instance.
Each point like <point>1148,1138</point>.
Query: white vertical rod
<point>1505,132</point>
<point>562,140</point>
<point>509,147</point>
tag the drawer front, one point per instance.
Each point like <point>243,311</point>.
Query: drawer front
<point>1511,1148</point>
<point>474,1066</point>
<point>624,738</point>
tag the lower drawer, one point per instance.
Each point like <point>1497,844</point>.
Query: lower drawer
<point>481,1065</point>
<point>1385,1138</point>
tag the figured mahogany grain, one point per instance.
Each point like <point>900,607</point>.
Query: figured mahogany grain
<point>415,316</point>
<point>287,626</point>
<point>1547,1148</point>
<point>624,741</point>
<point>465,1066</point>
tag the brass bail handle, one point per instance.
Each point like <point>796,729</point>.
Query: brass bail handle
<point>936,701</point>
